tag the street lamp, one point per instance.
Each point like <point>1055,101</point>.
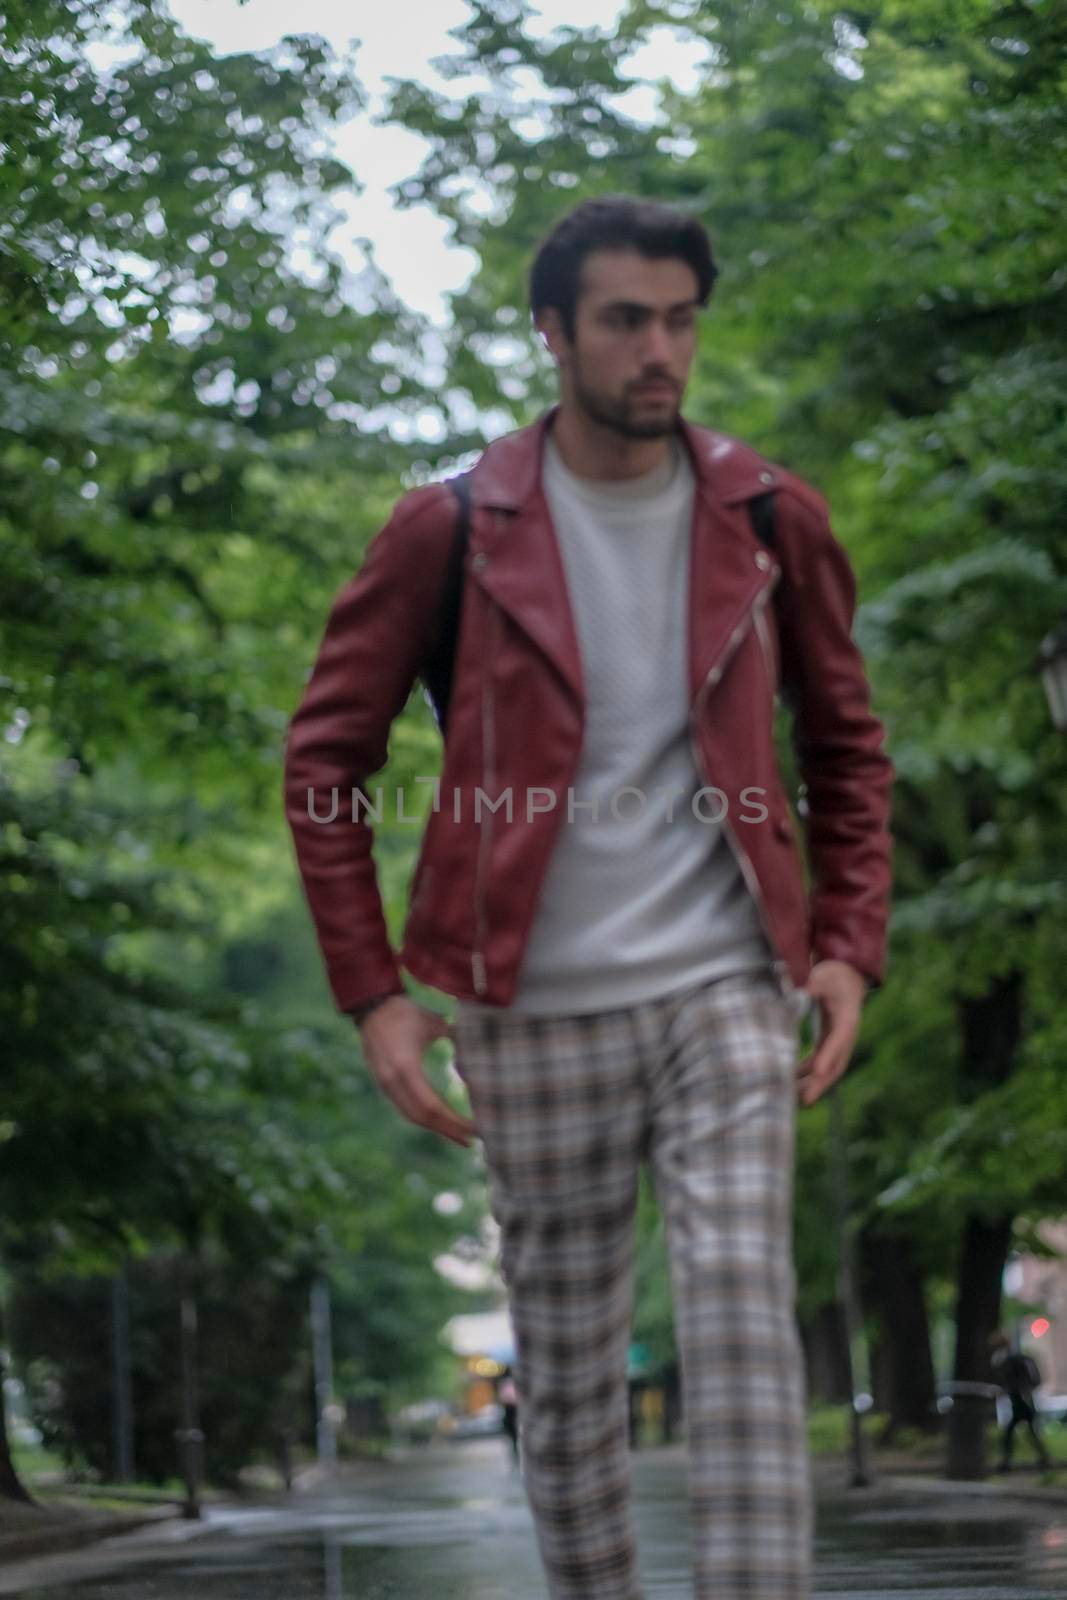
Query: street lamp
<point>322,1356</point>
<point>121,1393</point>
<point>849,1289</point>
<point>189,1436</point>
<point>1053,663</point>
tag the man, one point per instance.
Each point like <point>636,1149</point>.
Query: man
<point>610,884</point>
<point>1018,1375</point>
<point>508,1397</point>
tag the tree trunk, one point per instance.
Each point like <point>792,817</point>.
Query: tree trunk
<point>992,1025</point>
<point>11,1487</point>
<point>825,1354</point>
<point>983,1252</point>
<point>881,1360</point>
<point>895,1289</point>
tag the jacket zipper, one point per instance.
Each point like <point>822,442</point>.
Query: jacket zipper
<point>481,916</point>
<point>755,616</point>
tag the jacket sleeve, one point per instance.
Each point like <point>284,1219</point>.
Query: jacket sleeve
<point>371,653</point>
<point>839,742</point>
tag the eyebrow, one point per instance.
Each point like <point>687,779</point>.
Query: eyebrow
<point>638,305</point>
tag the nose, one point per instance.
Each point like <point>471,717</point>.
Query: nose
<point>657,349</point>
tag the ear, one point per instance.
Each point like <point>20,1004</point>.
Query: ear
<point>549,325</point>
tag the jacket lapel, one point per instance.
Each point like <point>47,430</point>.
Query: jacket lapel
<point>724,581</point>
<point>728,564</point>
<point>523,571</point>
<point>515,554</point>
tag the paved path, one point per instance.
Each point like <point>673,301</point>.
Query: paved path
<point>452,1524</point>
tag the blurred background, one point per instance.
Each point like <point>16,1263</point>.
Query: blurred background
<point>253,285</point>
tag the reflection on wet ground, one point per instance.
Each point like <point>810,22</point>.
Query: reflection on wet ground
<point>453,1525</point>
<point>953,1548</point>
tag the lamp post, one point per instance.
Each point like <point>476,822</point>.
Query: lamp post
<point>189,1436</point>
<point>1053,664</point>
<point>121,1394</point>
<point>860,1472</point>
<point>322,1354</point>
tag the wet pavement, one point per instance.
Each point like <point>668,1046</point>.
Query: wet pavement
<point>452,1524</point>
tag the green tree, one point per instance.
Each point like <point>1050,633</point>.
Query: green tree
<point>193,458</point>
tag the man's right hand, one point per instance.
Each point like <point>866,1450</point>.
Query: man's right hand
<point>395,1035</point>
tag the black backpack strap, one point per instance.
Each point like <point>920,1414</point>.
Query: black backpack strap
<point>437,672</point>
<point>761,511</point>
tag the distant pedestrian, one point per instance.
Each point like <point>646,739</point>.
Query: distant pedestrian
<point>1018,1375</point>
<point>508,1396</point>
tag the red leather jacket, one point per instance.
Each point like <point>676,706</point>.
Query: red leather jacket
<point>516,718</point>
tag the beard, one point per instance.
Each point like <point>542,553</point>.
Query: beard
<point>630,416</point>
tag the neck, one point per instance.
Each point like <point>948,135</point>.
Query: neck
<point>591,450</point>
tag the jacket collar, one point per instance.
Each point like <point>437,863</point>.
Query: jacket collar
<point>508,473</point>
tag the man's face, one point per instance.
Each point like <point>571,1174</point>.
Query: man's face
<point>635,325</point>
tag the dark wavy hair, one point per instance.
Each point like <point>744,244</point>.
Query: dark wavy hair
<point>615,222</point>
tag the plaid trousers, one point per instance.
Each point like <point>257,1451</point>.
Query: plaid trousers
<point>701,1084</point>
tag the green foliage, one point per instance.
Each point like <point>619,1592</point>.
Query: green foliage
<point>193,458</point>
<point>254,1363</point>
<point>653,1307</point>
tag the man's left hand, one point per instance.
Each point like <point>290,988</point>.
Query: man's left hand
<point>837,990</point>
